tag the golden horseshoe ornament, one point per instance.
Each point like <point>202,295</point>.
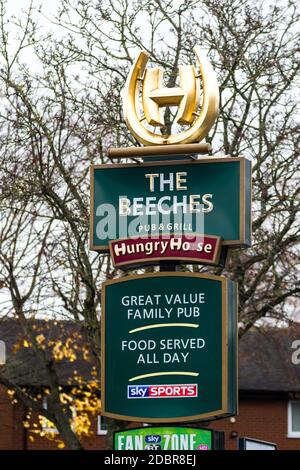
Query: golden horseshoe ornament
<point>185,97</point>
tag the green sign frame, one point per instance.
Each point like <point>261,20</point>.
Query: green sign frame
<point>201,387</point>
<point>167,438</point>
<point>227,179</point>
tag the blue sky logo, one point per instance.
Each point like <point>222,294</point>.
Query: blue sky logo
<point>138,391</point>
<point>153,438</point>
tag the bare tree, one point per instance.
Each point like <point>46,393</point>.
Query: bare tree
<point>60,114</point>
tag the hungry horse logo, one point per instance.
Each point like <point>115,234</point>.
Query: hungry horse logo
<point>185,97</point>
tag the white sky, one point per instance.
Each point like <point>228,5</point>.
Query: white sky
<point>18,8</point>
<point>15,7</point>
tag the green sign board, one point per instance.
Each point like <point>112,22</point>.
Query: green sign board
<point>168,347</point>
<point>167,438</point>
<point>155,199</point>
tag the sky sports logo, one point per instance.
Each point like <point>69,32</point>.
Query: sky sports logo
<point>162,391</point>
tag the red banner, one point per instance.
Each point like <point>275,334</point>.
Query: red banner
<point>203,249</point>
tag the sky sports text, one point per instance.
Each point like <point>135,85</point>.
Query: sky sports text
<point>162,391</point>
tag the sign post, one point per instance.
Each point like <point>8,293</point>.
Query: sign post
<point>169,339</point>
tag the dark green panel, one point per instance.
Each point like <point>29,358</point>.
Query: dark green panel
<point>221,178</point>
<point>181,343</point>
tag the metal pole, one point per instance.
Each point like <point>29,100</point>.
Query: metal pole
<point>165,266</point>
<point>153,151</point>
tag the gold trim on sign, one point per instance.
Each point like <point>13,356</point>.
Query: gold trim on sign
<point>224,343</point>
<point>164,325</point>
<point>91,221</point>
<point>102,352</point>
<point>216,159</point>
<point>159,374</point>
<point>185,419</point>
